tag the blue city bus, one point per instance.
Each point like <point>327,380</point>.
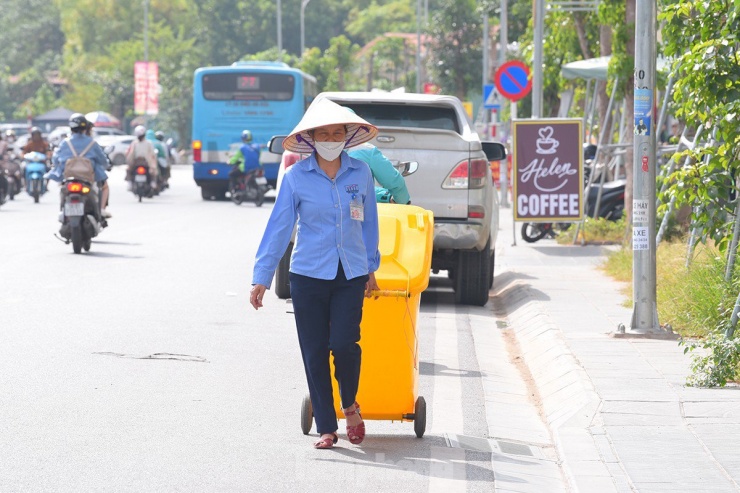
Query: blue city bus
<point>267,98</point>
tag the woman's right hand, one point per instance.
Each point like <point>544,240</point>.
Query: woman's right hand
<point>255,296</point>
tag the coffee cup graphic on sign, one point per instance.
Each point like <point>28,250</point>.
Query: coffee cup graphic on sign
<point>545,143</point>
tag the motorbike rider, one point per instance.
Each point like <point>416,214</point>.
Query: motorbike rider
<point>161,152</point>
<point>3,147</point>
<point>168,149</point>
<point>37,143</point>
<point>79,125</point>
<point>143,151</point>
<point>246,159</point>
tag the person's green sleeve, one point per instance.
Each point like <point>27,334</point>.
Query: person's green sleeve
<point>384,172</point>
<point>237,158</point>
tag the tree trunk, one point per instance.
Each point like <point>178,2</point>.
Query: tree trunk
<point>629,108</point>
<point>581,30</point>
<point>605,43</point>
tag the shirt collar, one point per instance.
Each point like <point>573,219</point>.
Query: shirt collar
<point>313,164</point>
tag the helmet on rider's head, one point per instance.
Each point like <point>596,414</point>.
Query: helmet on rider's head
<point>159,135</point>
<point>35,130</point>
<point>78,123</point>
<point>247,136</point>
<point>140,130</point>
<point>10,133</point>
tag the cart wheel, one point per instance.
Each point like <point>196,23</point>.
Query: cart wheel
<point>420,417</point>
<point>307,415</point>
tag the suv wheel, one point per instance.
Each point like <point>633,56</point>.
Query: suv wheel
<point>282,281</point>
<point>473,276</point>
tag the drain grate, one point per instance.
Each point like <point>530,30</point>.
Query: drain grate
<point>478,444</point>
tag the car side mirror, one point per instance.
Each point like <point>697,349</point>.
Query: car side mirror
<point>406,168</point>
<point>494,151</point>
<point>276,144</point>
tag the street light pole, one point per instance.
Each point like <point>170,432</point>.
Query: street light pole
<point>537,77</point>
<point>280,30</point>
<point>418,46</point>
<point>303,38</point>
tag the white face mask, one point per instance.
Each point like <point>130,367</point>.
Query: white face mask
<point>329,150</point>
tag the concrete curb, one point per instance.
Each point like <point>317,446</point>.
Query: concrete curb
<point>569,401</point>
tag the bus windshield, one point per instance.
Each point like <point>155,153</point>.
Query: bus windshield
<point>245,86</point>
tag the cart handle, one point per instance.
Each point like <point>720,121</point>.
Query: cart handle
<point>391,293</point>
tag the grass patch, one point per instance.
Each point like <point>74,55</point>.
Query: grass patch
<point>595,231</point>
<point>691,300</point>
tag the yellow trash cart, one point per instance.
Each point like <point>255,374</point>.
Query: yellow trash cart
<point>390,358</point>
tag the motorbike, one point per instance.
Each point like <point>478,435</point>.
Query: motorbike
<point>11,171</point>
<point>142,182</point>
<point>249,186</point>
<point>611,204</point>
<point>80,216</point>
<point>35,169</point>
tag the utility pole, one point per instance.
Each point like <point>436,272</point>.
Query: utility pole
<point>303,29</point>
<point>503,47</point>
<point>537,75</point>
<point>418,46</point>
<point>645,314</point>
<point>280,30</point>
<point>146,57</point>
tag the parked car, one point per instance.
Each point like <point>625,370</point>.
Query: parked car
<point>453,180</point>
<point>118,144</point>
<point>107,131</point>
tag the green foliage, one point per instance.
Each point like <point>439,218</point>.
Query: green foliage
<point>702,38</point>
<point>455,30</point>
<point>717,360</point>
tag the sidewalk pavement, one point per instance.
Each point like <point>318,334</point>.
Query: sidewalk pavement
<point>617,411</point>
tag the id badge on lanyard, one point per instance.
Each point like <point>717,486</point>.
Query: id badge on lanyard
<point>356,208</point>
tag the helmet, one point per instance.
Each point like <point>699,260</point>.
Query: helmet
<point>78,123</point>
<point>246,136</point>
<point>10,133</point>
<point>35,130</point>
<point>159,135</point>
<point>140,130</point>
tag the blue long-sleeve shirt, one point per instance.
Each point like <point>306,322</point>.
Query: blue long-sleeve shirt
<point>80,142</point>
<point>383,171</point>
<point>326,233</point>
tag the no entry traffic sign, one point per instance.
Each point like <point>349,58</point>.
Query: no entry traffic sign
<point>512,80</point>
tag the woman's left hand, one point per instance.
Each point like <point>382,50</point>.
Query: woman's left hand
<point>371,285</point>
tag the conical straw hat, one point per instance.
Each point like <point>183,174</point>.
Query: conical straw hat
<point>325,112</point>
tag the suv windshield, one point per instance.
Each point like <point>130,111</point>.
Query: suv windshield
<point>404,115</point>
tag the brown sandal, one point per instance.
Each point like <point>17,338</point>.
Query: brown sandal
<point>326,441</point>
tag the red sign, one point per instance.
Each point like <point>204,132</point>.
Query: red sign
<point>431,88</point>
<point>644,163</point>
<point>146,88</point>
<point>512,80</point>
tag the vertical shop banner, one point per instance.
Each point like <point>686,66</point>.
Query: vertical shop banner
<point>146,88</point>
<point>548,170</point>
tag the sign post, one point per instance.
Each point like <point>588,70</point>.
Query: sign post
<point>513,82</point>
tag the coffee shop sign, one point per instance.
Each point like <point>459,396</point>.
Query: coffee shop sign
<point>548,173</point>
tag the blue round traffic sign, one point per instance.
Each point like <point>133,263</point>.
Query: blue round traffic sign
<point>512,80</point>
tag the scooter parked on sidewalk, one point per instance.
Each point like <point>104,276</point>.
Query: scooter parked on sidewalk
<point>35,169</point>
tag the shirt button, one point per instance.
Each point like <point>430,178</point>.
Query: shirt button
<point>338,245</point>
<point>336,205</point>
<point>337,225</point>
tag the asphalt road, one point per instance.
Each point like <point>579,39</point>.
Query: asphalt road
<point>140,366</point>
